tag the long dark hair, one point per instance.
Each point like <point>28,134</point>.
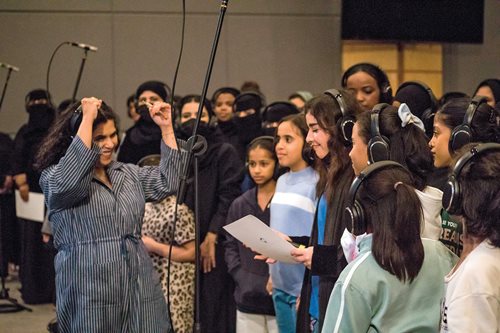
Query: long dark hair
<point>408,145</point>
<point>393,212</point>
<point>60,135</point>
<point>327,113</point>
<point>480,194</point>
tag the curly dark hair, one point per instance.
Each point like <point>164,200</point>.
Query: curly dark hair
<point>480,194</point>
<point>60,135</point>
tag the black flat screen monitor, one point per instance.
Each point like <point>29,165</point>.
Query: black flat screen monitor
<point>445,21</point>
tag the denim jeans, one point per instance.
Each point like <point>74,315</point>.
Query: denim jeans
<point>286,314</point>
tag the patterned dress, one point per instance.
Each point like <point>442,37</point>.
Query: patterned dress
<point>105,280</point>
<point>158,224</point>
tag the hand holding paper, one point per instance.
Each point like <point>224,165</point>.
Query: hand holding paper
<point>259,237</point>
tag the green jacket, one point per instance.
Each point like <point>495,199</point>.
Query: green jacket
<point>367,298</point>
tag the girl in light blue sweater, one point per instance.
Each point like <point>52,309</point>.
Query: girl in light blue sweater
<point>292,213</point>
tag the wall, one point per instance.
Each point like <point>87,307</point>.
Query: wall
<point>284,45</point>
<point>467,65</point>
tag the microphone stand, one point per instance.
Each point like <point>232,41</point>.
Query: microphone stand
<point>5,87</point>
<point>196,145</point>
<point>82,64</point>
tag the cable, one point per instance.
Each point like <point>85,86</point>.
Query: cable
<point>172,235</point>
<point>48,68</point>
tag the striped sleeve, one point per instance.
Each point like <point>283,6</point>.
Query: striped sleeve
<point>67,182</point>
<point>159,182</point>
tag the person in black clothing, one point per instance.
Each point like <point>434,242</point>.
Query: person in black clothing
<point>9,235</point>
<point>36,268</point>
<point>220,174</point>
<point>222,104</point>
<point>143,138</point>
<point>247,118</point>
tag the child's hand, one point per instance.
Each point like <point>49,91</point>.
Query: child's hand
<point>303,255</point>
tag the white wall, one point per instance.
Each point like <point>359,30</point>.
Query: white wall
<point>284,45</point>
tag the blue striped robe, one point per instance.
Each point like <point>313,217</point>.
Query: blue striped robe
<point>105,279</point>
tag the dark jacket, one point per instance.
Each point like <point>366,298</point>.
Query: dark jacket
<point>328,259</point>
<point>250,275</point>
<point>135,146</point>
<point>230,132</point>
<point>220,175</point>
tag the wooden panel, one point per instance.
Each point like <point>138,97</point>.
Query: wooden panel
<point>421,62</point>
<point>382,54</point>
<point>423,56</point>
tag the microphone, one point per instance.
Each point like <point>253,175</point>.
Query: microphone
<point>14,68</point>
<point>83,46</point>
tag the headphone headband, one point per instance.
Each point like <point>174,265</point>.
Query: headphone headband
<point>259,138</point>
<point>346,122</point>
<point>452,192</point>
<point>354,210</point>
<point>338,97</point>
<point>472,108</point>
<point>462,134</point>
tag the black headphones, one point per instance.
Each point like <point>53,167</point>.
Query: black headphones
<point>374,71</point>
<point>272,141</point>
<point>346,122</point>
<point>428,114</point>
<point>354,213</point>
<point>452,194</point>
<point>462,134</point>
<point>379,145</point>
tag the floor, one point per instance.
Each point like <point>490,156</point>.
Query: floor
<point>24,321</point>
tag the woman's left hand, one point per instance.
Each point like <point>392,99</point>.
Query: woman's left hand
<point>161,113</point>
<point>303,255</point>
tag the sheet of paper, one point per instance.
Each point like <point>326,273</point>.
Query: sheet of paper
<point>33,209</point>
<point>259,237</point>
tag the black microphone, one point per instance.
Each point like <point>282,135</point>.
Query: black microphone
<point>14,68</point>
<point>83,46</point>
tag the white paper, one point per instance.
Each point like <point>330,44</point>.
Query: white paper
<point>33,209</point>
<point>259,237</point>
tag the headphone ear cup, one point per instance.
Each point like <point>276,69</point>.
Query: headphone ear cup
<point>460,136</point>
<point>355,218</point>
<point>378,149</point>
<point>345,127</point>
<point>307,154</point>
<point>386,94</point>
<point>451,196</point>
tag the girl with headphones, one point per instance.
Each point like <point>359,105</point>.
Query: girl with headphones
<point>368,83</point>
<point>329,117</point>
<point>472,297</point>
<point>390,133</point>
<point>292,212</point>
<point>255,310</point>
<point>457,123</point>
<point>394,284</point>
